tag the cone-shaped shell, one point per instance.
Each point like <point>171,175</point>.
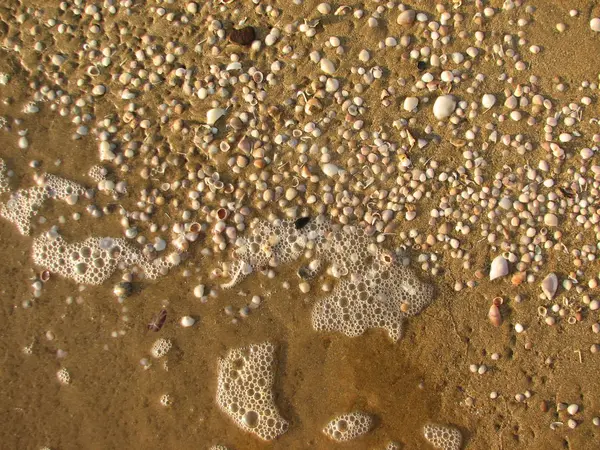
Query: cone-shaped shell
<point>499,267</point>
<point>550,285</point>
<point>495,316</point>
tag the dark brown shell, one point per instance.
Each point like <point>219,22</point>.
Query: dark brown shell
<point>243,36</point>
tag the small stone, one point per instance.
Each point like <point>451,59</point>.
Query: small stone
<point>444,106</point>
<point>243,36</point>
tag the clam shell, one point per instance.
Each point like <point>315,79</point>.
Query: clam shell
<point>212,115</point>
<point>550,285</point>
<point>499,267</point>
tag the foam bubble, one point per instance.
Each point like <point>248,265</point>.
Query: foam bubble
<point>4,183</point>
<point>25,203</point>
<point>442,436</point>
<point>349,426</point>
<point>93,260</point>
<point>244,390</point>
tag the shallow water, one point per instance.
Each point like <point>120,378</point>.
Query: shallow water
<point>112,402</point>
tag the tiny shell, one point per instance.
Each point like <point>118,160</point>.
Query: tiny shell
<point>495,316</point>
<point>327,66</point>
<point>488,100</point>
<point>187,321</point>
<point>550,285</point>
<point>330,169</point>
<point>212,115</point>
<point>499,267</point>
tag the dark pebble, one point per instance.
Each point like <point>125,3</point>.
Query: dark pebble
<point>243,36</point>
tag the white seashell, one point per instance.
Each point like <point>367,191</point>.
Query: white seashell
<point>187,321</point>
<point>327,66</point>
<point>330,169</point>
<point>595,24</point>
<point>551,220</point>
<point>444,106</point>
<point>199,291</point>
<point>550,285</point>
<point>106,154</point>
<point>410,104</point>
<point>212,115</point>
<point>406,17</point>
<point>233,66</point>
<point>499,267</point>
<point>488,100</point>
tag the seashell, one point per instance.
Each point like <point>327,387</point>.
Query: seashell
<point>187,321</point>
<point>499,267</point>
<point>243,36</point>
<point>444,106</point>
<point>330,169</point>
<point>222,213</point>
<point>518,278</point>
<point>495,316</point>
<point>195,227</point>
<point>258,77</point>
<point>233,66</point>
<point>406,17</point>
<point>212,115</point>
<point>45,275</point>
<point>550,285</point>
<point>327,66</point>
<point>488,100</point>
<point>312,106</point>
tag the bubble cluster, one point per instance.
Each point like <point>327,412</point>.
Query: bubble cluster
<point>63,376</point>
<point>161,347</point>
<point>25,203</point>
<point>4,185</point>
<point>218,447</point>
<point>244,390</point>
<point>374,290</point>
<point>348,426</point>
<point>93,260</point>
<point>97,173</point>
<point>378,298</point>
<point>392,446</point>
<point>443,437</point>
<point>274,243</point>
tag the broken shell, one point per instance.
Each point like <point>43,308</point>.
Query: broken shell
<point>499,267</point>
<point>498,301</point>
<point>222,213</point>
<point>212,115</point>
<point>550,285</point>
<point>312,106</point>
<point>495,316</point>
